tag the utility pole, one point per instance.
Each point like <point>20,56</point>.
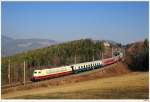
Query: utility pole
<point>112,51</point>
<point>9,71</point>
<point>93,54</point>
<point>75,59</point>
<point>102,55</point>
<point>58,51</point>
<point>24,72</point>
<point>124,52</point>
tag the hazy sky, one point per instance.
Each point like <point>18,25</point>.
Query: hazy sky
<point>62,21</point>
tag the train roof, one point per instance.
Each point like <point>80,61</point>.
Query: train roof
<point>85,63</point>
<point>46,68</point>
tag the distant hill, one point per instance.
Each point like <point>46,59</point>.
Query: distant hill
<point>12,46</point>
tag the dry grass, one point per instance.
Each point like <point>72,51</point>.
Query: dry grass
<point>130,86</point>
<point>112,70</point>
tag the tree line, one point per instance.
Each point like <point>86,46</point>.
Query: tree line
<point>137,56</point>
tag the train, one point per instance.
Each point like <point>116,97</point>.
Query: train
<point>48,73</point>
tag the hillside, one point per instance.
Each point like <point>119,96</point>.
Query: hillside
<point>58,55</point>
<point>12,46</point>
<point>67,53</point>
<point>129,86</point>
<point>108,71</point>
<point>115,81</point>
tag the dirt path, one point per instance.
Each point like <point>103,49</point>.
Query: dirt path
<point>138,80</point>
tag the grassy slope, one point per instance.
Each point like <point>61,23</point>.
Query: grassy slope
<point>130,86</point>
<point>108,71</point>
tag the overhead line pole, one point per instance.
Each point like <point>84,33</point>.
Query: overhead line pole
<point>9,71</point>
<point>112,51</point>
<point>124,52</point>
<point>93,55</point>
<point>24,79</point>
<point>75,58</point>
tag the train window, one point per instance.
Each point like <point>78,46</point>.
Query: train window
<point>35,72</point>
<point>39,72</point>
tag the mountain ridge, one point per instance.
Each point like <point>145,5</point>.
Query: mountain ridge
<point>11,46</point>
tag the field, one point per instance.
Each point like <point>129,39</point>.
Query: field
<point>133,85</point>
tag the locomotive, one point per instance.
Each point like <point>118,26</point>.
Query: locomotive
<point>74,68</point>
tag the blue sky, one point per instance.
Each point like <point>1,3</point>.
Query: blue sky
<point>123,22</point>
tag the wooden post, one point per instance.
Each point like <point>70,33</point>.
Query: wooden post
<point>24,72</point>
<point>9,71</point>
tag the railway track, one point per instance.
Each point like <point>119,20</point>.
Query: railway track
<point>15,84</point>
<point>27,83</point>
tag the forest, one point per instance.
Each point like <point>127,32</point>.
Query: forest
<point>67,53</point>
<point>137,56</point>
